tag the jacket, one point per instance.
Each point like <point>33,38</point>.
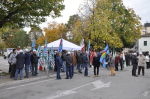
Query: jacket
<point>141,61</point>
<point>27,58</point>
<point>20,61</point>
<point>95,61</point>
<point>68,60</point>
<point>34,59</point>
<point>58,62</point>
<point>12,59</point>
<point>85,59</point>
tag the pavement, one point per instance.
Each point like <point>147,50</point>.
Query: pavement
<point>121,86</point>
<point>5,78</point>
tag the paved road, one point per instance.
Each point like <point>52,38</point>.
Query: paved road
<point>4,64</point>
<point>121,86</point>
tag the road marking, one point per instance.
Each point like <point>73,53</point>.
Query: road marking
<point>61,94</point>
<point>145,93</point>
<point>97,84</point>
<point>29,84</point>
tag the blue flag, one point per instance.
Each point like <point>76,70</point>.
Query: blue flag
<point>33,44</point>
<point>60,46</point>
<point>45,50</point>
<point>89,46</point>
<point>103,56</point>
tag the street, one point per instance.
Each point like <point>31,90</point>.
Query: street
<point>121,86</point>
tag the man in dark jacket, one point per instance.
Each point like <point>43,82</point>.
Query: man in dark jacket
<point>79,62</point>
<point>34,63</point>
<point>58,64</point>
<point>85,62</point>
<point>96,64</point>
<point>68,66</point>
<point>27,63</point>
<point>134,63</point>
<point>20,65</point>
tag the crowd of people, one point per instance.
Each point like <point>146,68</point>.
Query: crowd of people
<point>67,62</point>
<point>22,60</point>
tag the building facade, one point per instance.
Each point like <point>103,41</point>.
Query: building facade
<point>144,43</point>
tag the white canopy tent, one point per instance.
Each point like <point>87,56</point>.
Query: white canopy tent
<point>66,45</point>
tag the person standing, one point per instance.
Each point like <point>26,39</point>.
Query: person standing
<point>34,63</point>
<point>147,61</point>
<point>141,63</point>
<point>64,61</point>
<point>85,62</point>
<point>68,66</point>
<point>96,64</point>
<point>134,64</point>
<point>74,62</point>
<point>12,60</point>
<point>79,61</point>
<point>121,61</point>
<point>117,59</point>
<point>112,66</point>
<point>58,64</point>
<point>27,62</point>
<point>20,65</point>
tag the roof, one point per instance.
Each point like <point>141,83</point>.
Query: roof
<point>146,35</point>
<point>66,45</point>
<point>147,25</point>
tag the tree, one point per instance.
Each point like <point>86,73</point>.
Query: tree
<point>109,21</point>
<point>28,12</point>
<point>53,32</point>
<point>15,38</point>
<point>35,33</point>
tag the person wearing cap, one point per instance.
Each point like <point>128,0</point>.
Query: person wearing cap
<point>68,66</point>
<point>141,63</point>
<point>27,62</point>
<point>134,64</point>
<point>20,65</point>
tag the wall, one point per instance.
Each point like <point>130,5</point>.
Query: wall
<point>141,47</point>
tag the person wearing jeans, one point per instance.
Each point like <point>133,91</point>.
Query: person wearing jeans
<point>27,63</point>
<point>34,62</point>
<point>141,63</point>
<point>85,64</point>
<point>96,64</point>
<point>68,66</point>
<point>20,65</point>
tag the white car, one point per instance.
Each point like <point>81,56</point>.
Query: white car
<point>7,52</point>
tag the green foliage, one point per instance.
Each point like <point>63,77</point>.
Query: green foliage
<point>28,12</point>
<point>15,38</point>
<point>109,22</point>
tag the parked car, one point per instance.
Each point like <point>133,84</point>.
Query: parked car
<point>7,52</point>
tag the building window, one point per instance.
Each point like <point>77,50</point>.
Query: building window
<point>145,43</point>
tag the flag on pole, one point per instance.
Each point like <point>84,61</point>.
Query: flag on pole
<point>45,50</point>
<point>33,44</point>
<point>60,46</point>
<point>39,51</point>
<point>82,45</point>
<point>103,55</point>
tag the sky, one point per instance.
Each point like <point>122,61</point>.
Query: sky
<point>141,8</point>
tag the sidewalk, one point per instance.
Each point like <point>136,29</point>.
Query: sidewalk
<point>5,77</point>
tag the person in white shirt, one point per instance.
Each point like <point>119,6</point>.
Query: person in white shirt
<point>147,61</point>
